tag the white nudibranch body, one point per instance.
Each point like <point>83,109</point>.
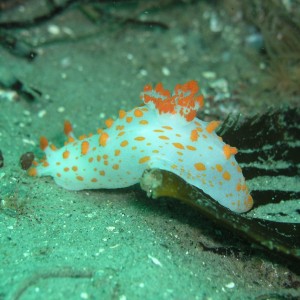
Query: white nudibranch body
<point>163,134</point>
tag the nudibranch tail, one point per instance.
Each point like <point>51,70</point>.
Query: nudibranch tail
<point>165,134</point>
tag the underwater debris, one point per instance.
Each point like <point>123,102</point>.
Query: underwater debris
<point>26,160</point>
<point>54,11</point>
<point>54,273</point>
<point>269,144</point>
<point>9,4</point>
<point>1,160</point>
<point>280,30</point>
<point>14,88</point>
<point>14,206</point>
<point>29,93</point>
<point>274,28</point>
<point>96,12</point>
<point>8,95</point>
<point>17,47</point>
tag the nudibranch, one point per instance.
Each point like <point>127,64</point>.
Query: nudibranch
<point>166,134</point>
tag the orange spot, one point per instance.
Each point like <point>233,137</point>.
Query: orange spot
<point>117,152</point>
<point>122,114</point>
<point>105,156</point>
<point>121,133</point>
<point>120,127</point>
<point>66,154</point>
<point>91,159</point>
<point>155,151</point>
<point>211,126</point>
<point>45,164</point>
<point>98,157</point>
<point>158,130</point>
<point>124,143</point>
<point>163,137</point>
<point>102,173</point>
<point>144,159</point>
<point>80,178</point>
<point>143,122</point>
<point>58,174</point>
<point>115,166</point>
<point>219,168</point>
<point>57,163</point>
<point>53,147</point>
<point>109,122</point>
<point>82,137</point>
<point>200,166</point>
<point>129,119</point>
<point>66,169</point>
<point>168,127</point>
<point>228,151</point>
<point>238,187</point>
<point>85,147</point>
<point>103,139</point>
<point>70,139</point>
<point>74,168</point>
<point>238,168</point>
<point>139,138</point>
<point>32,172</point>
<point>194,135</point>
<point>249,202</point>
<point>178,145</point>
<point>94,180</point>
<point>43,143</point>
<point>226,175</point>
<point>192,148</point>
<point>67,128</point>
<point>138,113</point>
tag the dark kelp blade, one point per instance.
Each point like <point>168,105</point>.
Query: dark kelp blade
<point>269,154</point>
<point>269,144</point>
<point>275,236</point>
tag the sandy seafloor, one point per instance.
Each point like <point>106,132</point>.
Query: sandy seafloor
<point>119,244</point>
